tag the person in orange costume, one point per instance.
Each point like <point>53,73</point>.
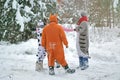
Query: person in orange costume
<point>53,38</point>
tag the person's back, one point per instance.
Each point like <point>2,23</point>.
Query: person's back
<point>84,40</point>
<point>52,38</point>
<point>55,35</point>
<point>82,43</point>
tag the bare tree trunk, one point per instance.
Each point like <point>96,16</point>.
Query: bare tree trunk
<point>113,13</point>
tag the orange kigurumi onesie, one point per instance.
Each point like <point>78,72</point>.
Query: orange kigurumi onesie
<point>53,38</point>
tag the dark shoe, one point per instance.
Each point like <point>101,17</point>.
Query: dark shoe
<point>84,67</point>
<point>57,65</point>
<point>68,70</point>
<point>51,71</point>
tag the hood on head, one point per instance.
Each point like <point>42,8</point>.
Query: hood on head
<point>83,13</point>
<point>53,18</point>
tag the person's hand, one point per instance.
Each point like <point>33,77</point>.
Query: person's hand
<point>66,46</point>
<point>74,29</point>
<point>40,34</point>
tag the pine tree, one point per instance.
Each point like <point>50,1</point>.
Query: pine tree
<point>18,17</point>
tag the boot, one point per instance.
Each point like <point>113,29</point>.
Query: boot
<point>39,66</point>
<point>68,70</point>
<point>57,65</point>
<point>80,61</point>
<point>51,71</point>
<point>85,63</point>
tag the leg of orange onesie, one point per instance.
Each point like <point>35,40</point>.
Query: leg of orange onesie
<point>51,58</point>
<point>59,56</point>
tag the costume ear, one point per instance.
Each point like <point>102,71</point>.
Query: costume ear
<point>50,15</point>
<point>56,14</point>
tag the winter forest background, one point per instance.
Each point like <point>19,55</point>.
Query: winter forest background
<point>19,17</point>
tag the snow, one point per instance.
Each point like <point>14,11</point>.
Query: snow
<point>27,9</point>
<point>6,4</point>
<point>17,61</point>
<point>14,4</point>
<point>20,19</point>
<point>31,2</point>
<point>115,3</point>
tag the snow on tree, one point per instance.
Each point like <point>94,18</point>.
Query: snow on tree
<point>18,17</point>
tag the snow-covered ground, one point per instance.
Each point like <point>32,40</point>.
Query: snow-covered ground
<point>17,61</point>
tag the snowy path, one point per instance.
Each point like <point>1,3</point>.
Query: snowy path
<point>104,64</point>
<point>17,69</point>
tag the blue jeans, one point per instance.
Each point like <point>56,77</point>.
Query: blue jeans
<point>83,62</point>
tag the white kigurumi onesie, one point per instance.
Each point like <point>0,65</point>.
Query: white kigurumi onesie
<point>41,51</point>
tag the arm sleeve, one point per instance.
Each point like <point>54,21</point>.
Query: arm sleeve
<point>68,30</point>
<point>82,27</point>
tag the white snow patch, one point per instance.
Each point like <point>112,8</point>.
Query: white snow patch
<point>20,19</point>
<point>17,61</point>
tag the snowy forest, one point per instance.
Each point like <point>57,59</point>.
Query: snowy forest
<point>18,17</point>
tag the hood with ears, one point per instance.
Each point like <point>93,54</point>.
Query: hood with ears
<point>53,18</point>
<point>83,13</point>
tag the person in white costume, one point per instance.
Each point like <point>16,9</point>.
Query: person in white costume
<point>41,51</point>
